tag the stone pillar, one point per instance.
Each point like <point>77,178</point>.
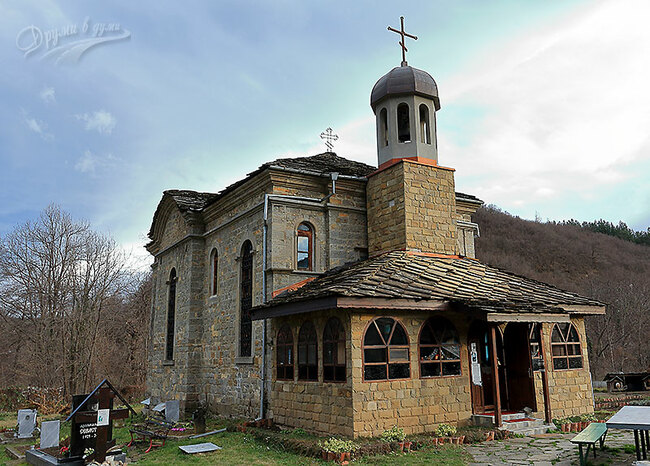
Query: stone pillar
<point>412,206</point>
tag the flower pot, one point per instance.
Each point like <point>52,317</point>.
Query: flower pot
<point>331,456</point>
<point>407,446</point>
<point>575,426</point>
<point>401,446</point>
<point>435,440</point>
<point>565,427</point>
<point>489,436</point>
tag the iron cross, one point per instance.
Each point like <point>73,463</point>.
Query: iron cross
<point>329,137</point>
<point>403,34</point>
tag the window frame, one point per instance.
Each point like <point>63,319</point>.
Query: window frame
<point>171,315</point>
<point>214,272</point>
<point>407,114</point>
<point>439,345</point>
<point>387,346</point>
<point>246,300</point>
<point>307,329</point>
<point>340,340</point>
<point>425,124</point>
<point>565,344</point>
<point>540,349</point>
<point>309,234</point>
<point>289,354</point>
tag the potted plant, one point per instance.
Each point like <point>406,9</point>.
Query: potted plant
<point>337,449</point>
<point>396,434</point>
<point>447,431</point>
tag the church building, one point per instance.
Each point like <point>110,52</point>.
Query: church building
<point>344,298</point>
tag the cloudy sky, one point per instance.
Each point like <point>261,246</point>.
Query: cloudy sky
<point>545,105</point>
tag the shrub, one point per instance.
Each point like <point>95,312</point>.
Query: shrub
<point>336,445</point>
<point>445,430</point>
<point>394,434</point>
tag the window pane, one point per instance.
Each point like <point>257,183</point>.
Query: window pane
<point>430,354</point>
<point>281,356</point>
<point>398,354</point>
<point>311,354</point>
<point>451,368</point>
<point>375,355</point>
<point>573,335</point>
<point>398,371</point>
<point>290,355</point>
<point>340,356</point>
<point>303,227</point>
<point>399,336</point>
<point>328,373</point>
<point>302,372</point>
<point>573,349</point>
<point>560,363</point>
<point>451,352</point>
<point>302,355</point>
<point>559,350</point>
<point>372,337</point>
<point>303,244</point>
<point>430,369</point>
<point>303,260</point>
<point>538,364</point>
<point>340,373</point>
<point>385,325</point>
<point>555,336</point>
<point>426,337</point>
<point>575,363</point>
<point>328,353</point>
<point>375,372</point>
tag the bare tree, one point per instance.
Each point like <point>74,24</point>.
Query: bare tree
<point>57,278</point>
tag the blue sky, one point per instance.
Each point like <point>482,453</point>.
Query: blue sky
<point>545,105</point>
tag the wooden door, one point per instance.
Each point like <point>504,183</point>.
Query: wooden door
<point>480,364</point>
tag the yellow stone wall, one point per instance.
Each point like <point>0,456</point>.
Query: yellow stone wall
<point>412,206</point>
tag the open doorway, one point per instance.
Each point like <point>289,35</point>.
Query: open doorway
<point>519,369</point>
<point>481,371</point>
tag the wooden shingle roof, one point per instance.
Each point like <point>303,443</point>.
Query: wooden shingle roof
<point>401,275</point>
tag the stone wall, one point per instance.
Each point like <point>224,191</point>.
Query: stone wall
<point>415,404</point>
<point>316,406</point>
<point>412,206</point>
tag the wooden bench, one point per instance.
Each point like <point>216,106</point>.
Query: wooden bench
<point>594,432</point>
<point>153,429</point>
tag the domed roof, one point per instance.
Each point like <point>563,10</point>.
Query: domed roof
<point>405,80</point>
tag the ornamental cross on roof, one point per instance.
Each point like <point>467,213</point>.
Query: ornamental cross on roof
<point>403,34</point>
<point>329,136</point>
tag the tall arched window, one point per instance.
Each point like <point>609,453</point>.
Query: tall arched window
<point>385,351</point>
<point>403,123</point>
<point>307,352</point>
<point>439,349</point>
<point>246,300</point>
<point>171,315</point>
<point>334,351</point>
<point>535,341</point>
<point>284,347</point>
<point>305,247</point>
<point>425,127</point>
<point>383,126</point>
<point>565,347</point>
<point>214,272</point>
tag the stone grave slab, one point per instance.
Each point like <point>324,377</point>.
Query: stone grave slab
<point>159,407</point>
<point>172,411</point>
<point>50,434</point>
<point>199,448</point>
<point>26,423</point>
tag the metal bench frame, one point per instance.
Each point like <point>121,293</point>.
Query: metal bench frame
<point>152,429</point>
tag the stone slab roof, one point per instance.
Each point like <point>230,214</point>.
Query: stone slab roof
<point>422,276</point>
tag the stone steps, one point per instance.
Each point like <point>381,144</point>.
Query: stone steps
<point>517,423</point>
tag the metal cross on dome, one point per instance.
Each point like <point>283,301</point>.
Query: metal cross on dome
<point>329,136</point>
<point>403,34</point>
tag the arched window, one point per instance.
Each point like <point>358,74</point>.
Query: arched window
<point>284,347</point>
<point>305,248</point>
<point>535,340</point>
<point>383,126</point>
<point>403,123</point>
<point>439,349</point>
<point>565,347</point>
<point>246,300</point>
<point>385,351</point>
<point>214,272</point>
<point>334,351</point>
<point>425,127</point>
<point>171,315</point>
<point>307,352</point>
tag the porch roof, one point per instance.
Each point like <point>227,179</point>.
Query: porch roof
<point>412,280</point>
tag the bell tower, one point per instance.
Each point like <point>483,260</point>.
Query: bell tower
<point>411,200</point>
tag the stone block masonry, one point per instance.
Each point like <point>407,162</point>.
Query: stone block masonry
<point>412,206</point>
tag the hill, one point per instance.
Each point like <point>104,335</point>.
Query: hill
<point>597,265</point>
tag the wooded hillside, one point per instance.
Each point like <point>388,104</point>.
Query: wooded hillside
<point>571,257</point>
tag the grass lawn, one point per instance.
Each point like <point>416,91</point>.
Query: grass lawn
<point>244,449</point>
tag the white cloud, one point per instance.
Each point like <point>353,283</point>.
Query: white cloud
<point>101,121</point>
<point>90,162</point>
<point>37,126</point>
<point>48,95</point>
<point>564,109</point>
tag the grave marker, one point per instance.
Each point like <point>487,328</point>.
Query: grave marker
<point>50,434</point>
<point>172,411</point>
<point>26,423</point>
